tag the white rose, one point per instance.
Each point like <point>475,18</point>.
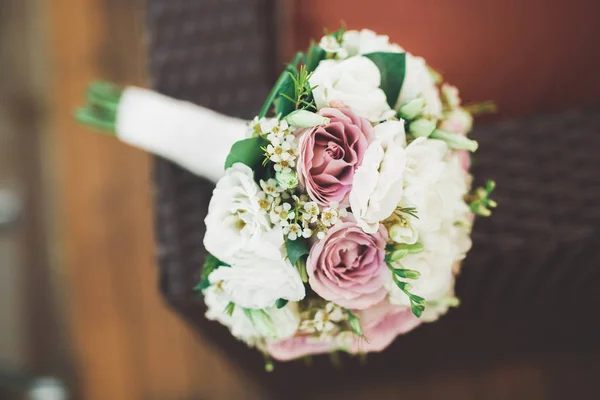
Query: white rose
<point>258,282</point>
<point>436,278</point>
<point>378,183</point>
<point>367,41</point>
<point>284,321</point>
<point>355,82</point>
<point>235,221</point>
<point>418,82</point>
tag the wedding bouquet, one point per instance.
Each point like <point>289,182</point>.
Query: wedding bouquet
<point>343,210</point>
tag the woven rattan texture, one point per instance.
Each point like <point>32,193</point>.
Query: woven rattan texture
<point>537,257</point>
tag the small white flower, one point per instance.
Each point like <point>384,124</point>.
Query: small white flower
<point>311,212</point>
<point>329,216</point>
<point>306,233</point>
<point>325,320</point>
<point>293,231</point>
<point>279,152</point>
<point>281,214</point>
<point>262,126</point>
<point>321,235</point>
<point>271,188</point>
<point>264,202</point>
<point>285,166</point>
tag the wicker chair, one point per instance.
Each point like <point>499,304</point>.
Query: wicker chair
<point>529,285</point>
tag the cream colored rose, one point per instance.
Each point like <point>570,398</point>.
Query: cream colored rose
<point>354,82</point>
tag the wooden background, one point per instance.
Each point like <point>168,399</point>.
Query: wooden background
<point>125,344</point>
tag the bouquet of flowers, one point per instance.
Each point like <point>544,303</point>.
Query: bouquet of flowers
<point>344,208</point>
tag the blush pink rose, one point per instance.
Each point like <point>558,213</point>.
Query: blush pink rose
<point>347,267</point>
<point>329,155</point>
<point>299,346</point>
<point>381,324</point>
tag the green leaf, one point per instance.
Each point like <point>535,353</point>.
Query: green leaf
<point>210,264</point>
<point>283,104</point>
<point>392,67</point>
<point>247,151</point>
<point>315,55</point>
<point>229,308</point>
<point>280,303</point>
<point>296,249</point>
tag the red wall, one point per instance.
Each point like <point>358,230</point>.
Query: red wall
<point>529,55</point>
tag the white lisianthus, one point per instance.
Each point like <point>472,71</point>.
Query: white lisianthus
<point>424,161</point>
<point>285,321</point>
<point>366,41</point>
<point>275,323</point>
<point>236,222</point>
<point>217,302</point>
<point>258,282</point>
<point>378,183</point>
<point>436,278</point>
<point>418,82</point>
<point>453,186</point>
<point>355,82</point>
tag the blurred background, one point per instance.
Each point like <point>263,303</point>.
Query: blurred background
<point>78,283</point>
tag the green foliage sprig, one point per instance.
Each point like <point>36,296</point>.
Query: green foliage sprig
<point>394,253</point>
<point>480,201</point>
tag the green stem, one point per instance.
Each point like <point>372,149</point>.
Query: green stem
<point>88,117</point>
<point>278,84</point>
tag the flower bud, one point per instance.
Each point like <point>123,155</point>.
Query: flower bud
<point>422,127</point>
<point>403,233</point>
<point>454,141</point>
<point>287,179</point>
<point>305,119</point>
<point>412,109</point>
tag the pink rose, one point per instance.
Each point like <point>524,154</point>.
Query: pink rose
<point>330,154</point>
<point>381,324</point>
<point>347,267</point>
<point>299,346</point>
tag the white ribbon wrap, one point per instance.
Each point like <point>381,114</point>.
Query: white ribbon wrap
<point>194,137</point>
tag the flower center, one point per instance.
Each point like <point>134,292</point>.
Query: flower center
<point>335,151</point>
